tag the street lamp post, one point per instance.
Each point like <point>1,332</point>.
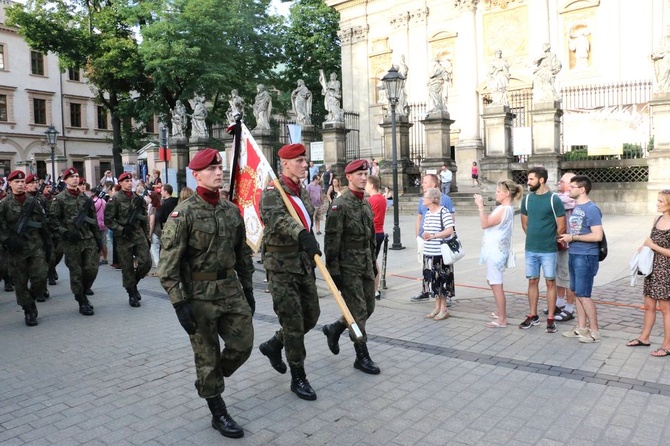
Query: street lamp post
<point>393,83</point>
<point>52,138</point>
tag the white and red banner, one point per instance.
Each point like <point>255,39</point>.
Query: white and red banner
<point>249,178</point>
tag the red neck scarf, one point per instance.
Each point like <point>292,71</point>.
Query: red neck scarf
<point>210,196</point>
<point>292,185</point>
<point>73,192</point>
<point>21,198</point>
<point>358,194</point>
<point>128,194</point>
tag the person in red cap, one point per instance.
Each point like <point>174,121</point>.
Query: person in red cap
<point>24,235</point>
<point>73,218</point>
<point>33,189</point>
<point>126,216</point>
<point>288,254</point>
<point>205,266</point>
<point>350,247</point>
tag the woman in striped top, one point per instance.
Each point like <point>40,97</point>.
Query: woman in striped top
<point>438,226</point>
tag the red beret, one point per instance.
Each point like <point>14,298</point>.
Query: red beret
<point>67,173</point>
<point>32,177</point>
<point>291,151</point>
<point>356,165</point>
<point>16,175</point>
<point>82,180</point>
<point>125,176</point>
<point>205,158</point>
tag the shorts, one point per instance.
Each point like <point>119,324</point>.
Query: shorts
<point>379,236</point>
<point>562,271</point>
<point>318,213</point>
<point>475,177</point>
<point>583,268</point>
<point>546,260</point>
<point>103,236</point>
<point>494,275</point>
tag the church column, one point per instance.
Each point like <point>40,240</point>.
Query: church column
<point>469,147</point>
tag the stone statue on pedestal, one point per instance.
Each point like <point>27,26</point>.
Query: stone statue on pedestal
<point>236,106</point>
<point>546,67</point>
<point>661,60</point>
<point>178,120</point>
<point>332,92</point>
<point>262,108</point>
<point>438,78</point>
<point>199,118</point>
<point>498,80</point>
<point>301,100</point>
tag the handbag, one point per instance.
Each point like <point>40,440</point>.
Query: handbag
<point>602,248</point>
<point>452,249</point>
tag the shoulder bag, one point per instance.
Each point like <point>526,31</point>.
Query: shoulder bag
<point>452,249</point>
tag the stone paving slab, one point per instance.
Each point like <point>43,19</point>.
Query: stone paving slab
<point>125,376</point>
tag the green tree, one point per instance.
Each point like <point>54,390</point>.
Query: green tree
<point>210,47</point>
<point>310,44</point>
<point>97,35</point>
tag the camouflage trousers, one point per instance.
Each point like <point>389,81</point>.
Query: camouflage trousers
<point>56,256</point>
<point>358,293</point>
<point>4,267</point>
<point>81,258</point>
<point>230,319</point>
<point>29,266</point>
<point>296,304</point>
<point>130,250</point>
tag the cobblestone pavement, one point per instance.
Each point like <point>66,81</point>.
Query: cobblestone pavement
<point>125,376</point>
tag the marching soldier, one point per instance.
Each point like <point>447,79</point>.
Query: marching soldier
<point>32,186</point>
<point>289,247</point>
<point>57,250</point>
<point>205,267</point>
<point>4,268</point>
<point>73,217</point>
<point>350,245</point>
<point>126,216</point>
<point>26,244</point>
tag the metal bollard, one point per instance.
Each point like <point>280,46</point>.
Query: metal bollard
<point>386,251</point>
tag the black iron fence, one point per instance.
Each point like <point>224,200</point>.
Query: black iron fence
<point>417,134</point>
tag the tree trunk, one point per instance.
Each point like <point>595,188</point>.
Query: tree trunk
<point>116,135</point>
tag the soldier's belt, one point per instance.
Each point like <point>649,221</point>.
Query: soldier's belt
<point>216,275</point>
<point>356,245</point>
<point>292,248</point>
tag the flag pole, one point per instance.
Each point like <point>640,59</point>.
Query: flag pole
<point>237,137</point>
<point>353,326</point>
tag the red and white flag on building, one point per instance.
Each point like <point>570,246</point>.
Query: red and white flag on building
<point>250,175</point>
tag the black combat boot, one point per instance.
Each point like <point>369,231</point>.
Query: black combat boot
<point>85,306</point>
<point>272,349</point>
<point>8,286</point>
<point>132,298</point>
<point>221,420</point>
<point>46,294</point>
<point>40,298</point>
<point>333,332</point>
<point>138,296</point>
<point>89,292</point>
<point>299,384</point>
<point>363,361</point>
<point>55,275</point>
<point>30,312</point>
<point>52,281</point>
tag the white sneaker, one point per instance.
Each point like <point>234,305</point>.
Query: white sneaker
<point>576,333</point>
<point>592,336</point>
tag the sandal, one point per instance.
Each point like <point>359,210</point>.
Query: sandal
<point>637,343</point>
<point>441,316</point>
<point>432,314</point>
<point>494,324</point>
<point>493,315</point>
<point>660,353</point>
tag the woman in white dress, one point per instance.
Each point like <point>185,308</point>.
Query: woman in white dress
<point>496,251</point>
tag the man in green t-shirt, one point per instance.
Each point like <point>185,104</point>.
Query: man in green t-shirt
<point>542,219</point>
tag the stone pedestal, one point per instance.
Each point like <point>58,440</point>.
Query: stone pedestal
<point>264,140</point>
<point>308,133</point>
<point>61,164</point>
<point>437,130</point>
<point>335,147</point>
<point>407,172</point>
<point>493,169</point>
<point>498,130</point>
<point>92,170</point>
<point>551,162</point>
<point>129,158</point>
<point>546,122</point>
<point>196,144</point>
<point>467,151</point>
<point>659,158</point>
<point>179,161</point>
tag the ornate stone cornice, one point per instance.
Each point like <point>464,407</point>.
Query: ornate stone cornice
<point>419,15</point>
<point>359,33</point>
<point>466,5</point>
<point>345,36</point>
<point>400,20</point>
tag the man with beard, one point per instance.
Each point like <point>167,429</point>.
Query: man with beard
<point>543,220</point>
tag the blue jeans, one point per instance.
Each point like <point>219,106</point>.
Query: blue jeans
<point>583,268</point>
<point>545,260</point>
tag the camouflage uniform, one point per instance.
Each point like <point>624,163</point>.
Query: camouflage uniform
<point>79,244</point>
<point>205,261</point>
<point>42,200</point>
<point>117,211</point>
<point>29,260</point>
<point>291,279</point>
<point>349,247</point>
